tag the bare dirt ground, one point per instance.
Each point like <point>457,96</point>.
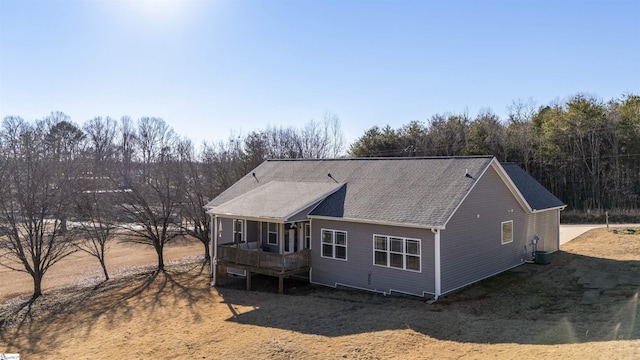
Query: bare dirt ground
<point>80,267</point>
<point>584,305</point>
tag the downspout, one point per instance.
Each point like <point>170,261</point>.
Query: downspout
<point>214,251</point>
<point>436,250</point>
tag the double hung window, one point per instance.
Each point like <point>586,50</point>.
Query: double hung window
<point>397,252</point>
<point>334,244</point>
<point>272,233</point>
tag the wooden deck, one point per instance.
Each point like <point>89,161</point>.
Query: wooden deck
<point>262,262</point>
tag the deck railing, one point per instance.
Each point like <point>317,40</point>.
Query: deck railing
<point>259,259</point>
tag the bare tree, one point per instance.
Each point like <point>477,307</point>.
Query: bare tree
<point>101,135</point>
<point>521,138</point>
<point>313,140</point>
<point>198,190</point>
<point>282,143</point>
<point>336,137</point>
<point>95,205</point>
<point>225,163</point>
<point>318,140</point>
<point>35,188</point>
<point>126,143</point>
<point>153,187</point>
<point>64,140</point>
<point>97,225</point>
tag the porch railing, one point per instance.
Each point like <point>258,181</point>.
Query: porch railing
<point>258,259</point>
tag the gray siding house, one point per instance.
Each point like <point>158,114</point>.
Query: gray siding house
<point>419,226</point>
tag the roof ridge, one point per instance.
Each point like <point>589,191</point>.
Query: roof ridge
<point>393,158</point>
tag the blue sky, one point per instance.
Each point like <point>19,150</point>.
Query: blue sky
<point>210,68</point>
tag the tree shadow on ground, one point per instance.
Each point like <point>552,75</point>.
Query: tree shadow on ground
<point>36,326</point>
<point>575,299</point>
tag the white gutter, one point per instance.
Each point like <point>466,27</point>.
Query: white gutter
<point>214,251</point>
<point>252,218</point>
<point>437,275</point>
<point>553,208</point>
<point>377,222</point>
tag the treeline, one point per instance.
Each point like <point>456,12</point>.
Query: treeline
<point>587,152</point>
<point>66,187</point>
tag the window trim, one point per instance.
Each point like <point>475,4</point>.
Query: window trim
<point>502,224</point>
<point>404,252</point>
<point>333,244</point>
<point>269,232</point>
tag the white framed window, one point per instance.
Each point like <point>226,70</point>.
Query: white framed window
<point>272,233</point>
<point>334,244</point>
<point>506,232</point>
<point>238,231</point>
<point>307,236</point>
<point>397,252</point>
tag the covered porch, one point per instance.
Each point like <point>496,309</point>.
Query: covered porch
<point>267,231</point>
<point>264,247</point>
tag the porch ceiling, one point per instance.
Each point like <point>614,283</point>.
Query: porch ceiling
<point>276,200</point>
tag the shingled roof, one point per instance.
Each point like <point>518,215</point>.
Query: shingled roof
<point>536,195</point>
<point>420,192</point>
<point>277,199</point>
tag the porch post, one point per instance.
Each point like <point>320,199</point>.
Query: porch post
<point>261,236</point>
<point>281,238</point>
<point>248,279</point>
<point>282,242</point>
<point>281,284</point>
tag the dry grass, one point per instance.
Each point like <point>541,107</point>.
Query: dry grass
<point>532,311</point>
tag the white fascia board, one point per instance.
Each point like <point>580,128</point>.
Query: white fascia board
<point>251,218</point>
<point>317,201</point>
<point>376,222</point>
<point>553,208</point>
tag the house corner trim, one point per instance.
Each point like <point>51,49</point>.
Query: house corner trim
<point>436,241</point>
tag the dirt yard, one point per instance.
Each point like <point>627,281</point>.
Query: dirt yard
<point>582,306</point>
<point>82,268</point>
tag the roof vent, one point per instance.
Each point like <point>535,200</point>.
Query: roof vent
<point>329,175</point>
<point>466,174</point>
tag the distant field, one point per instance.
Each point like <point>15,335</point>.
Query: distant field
<point>582,306</point>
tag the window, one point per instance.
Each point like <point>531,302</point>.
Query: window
<point>334,244</point>
<point>307,236</point>
<point>507,231</point>
<point>272,234</point>
<point>238,231</point>
<point>396,252</point>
